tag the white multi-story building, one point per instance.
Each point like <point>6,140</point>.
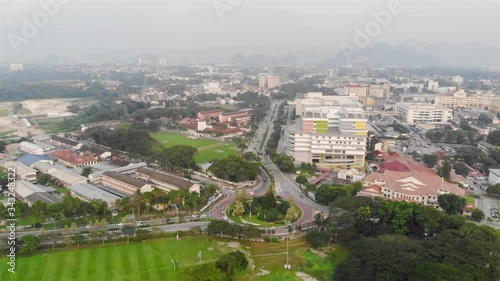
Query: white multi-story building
<point>463,99</point>
<point>316,99</point>
<point>16,67</point>
<point>457,79</point>
<point>333,136</point>
<point>332,73</point>
<point>433,85</point>
<point>424,113</point>
<point>494,176</point>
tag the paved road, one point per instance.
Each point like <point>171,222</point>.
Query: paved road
<point>486,204</point>
<point>164,227</point>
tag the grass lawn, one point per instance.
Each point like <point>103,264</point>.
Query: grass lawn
<point>150,260</point>
<point>255,218</point>
<point>60,189</point>
<point>272,257</point>
<point>207,149</point>
<point>470,200</point>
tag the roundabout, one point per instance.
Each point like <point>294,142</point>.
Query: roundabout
<point>266,211</point>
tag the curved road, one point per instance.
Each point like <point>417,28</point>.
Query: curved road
<point>284,187</point>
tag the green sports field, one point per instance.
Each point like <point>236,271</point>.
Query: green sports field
<point>207,149</point>
<point>150,260</point>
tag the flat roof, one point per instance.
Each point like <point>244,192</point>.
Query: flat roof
<point>93,192</point>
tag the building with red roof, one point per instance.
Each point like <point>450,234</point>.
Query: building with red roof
<point>403,179</point>
<point>69,158</point>
<point>211,114</point>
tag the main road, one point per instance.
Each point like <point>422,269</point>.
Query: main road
<point>284,187</point>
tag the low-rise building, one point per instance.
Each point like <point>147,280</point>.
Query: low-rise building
<point>65,177</point>
<point>403,179</point>
<point>88,192</point>
<point>486,147</point>
<point>165,181</point>
<point>31,148</point>
<point>69,158</point>
<point>494,176</point>
<point>29,193</point>
<point>32,159</point>
<point>60,141</point>
<point>124,183</point>
<point>22,171</point>
<point>211,114</point>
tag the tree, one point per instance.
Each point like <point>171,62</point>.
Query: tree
<point>430,159</point>
<point>446,169</point>
<point>232,263</point>
<point>494,138</point>
<point>40,209</point>
<point>250,157</point>
<point>494,190</point>
<point>451,204</point>
<point>239,209</point>
<point>242,146</point>
<point>129,231</point>
<point>484,120</point>
<point>202,272</point>
<point>301,179</point>
<point>157,232</point>
<point>477,215</point>
<point>100,207</point>
<point>234,169</point>
<point>44,179</point>
<point>31,243</point>
<point>86,171</point>
<point>78,239</point>
<point>292,214</point>
<point>461,169</point>
<point>142,234</point>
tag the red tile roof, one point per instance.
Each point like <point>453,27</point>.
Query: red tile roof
<point>67,155</point>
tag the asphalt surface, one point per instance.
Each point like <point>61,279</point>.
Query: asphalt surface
<point>284,187</point>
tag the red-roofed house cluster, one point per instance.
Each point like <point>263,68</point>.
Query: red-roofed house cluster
<point>402,179</point>
<point>216,122</point>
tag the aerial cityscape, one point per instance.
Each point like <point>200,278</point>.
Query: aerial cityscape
<point>249,140</point>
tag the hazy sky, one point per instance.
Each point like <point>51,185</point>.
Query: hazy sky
<point>82,28</point>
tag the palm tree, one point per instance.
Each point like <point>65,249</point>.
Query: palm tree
<point>242,146</point>
<point>319,220</point>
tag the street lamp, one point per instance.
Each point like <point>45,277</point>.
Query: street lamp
<point>287,265</point>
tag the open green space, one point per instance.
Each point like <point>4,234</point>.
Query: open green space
<point>154,260</point>
<point>272,257</point>
<point>470,199</point>
<point>151,260</point>
<point>254,219</point>
<point>207,149</point>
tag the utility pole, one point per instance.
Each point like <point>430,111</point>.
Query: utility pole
<point>287,265</point>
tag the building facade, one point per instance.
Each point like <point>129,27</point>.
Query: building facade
<point>414,113</point>
<point>333,136</point>
<point>460,99</point>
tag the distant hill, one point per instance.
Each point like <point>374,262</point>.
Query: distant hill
<point>384,54</point>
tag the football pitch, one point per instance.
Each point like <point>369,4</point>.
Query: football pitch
<point>151,260</point>
<point>207,149</point>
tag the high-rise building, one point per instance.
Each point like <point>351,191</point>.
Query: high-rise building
<point>16,67</point>
<point>282,72</point>
<point>331,136</point>
<point>268,81</point>
<point>332,73</point>
<point>162,61</point>
<point>433,85</point>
